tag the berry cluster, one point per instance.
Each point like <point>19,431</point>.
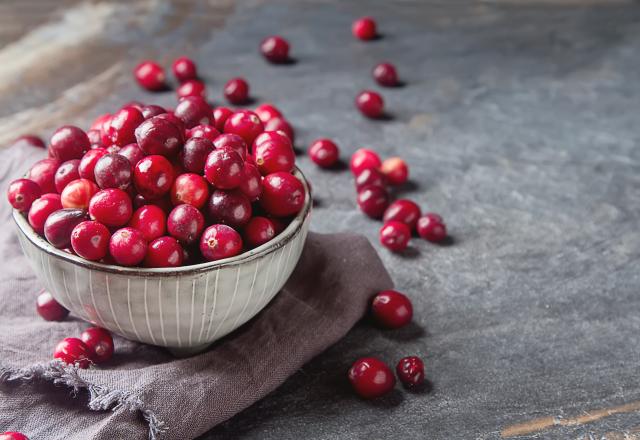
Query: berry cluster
<point>95,346</point>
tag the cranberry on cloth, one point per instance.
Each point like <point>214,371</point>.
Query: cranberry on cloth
<point>143,391</point>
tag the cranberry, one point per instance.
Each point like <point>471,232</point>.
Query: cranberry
<point>159,135</point>
<point>373,201</point>
<point>391,309</point>
<point>151,110</point>
<point>403,210</point>
<point>191,189</point>
<point>99,121</point>
<point>41,209</point>
<point>220,241</point>
<point>184,69</point>
<point>113,171</point>
<point>171,116</point>
<point>370,104</point>
<point>282,194</point>
<point>395,235</point>
<point>69,142</point>
<point>266,112</point>
<point>99,342</point>
<point>87,164</point>
<point>132,152</point>
<point>185,223</point>
<point>324,152</point>
<point>386,75</point>
<point>95,137</point>
<point>245,124</point>
<point>22,193</point>
<point>274,155</point>
<point>258,231</point>
<point>371,378</point>
<point>43,172</point>
<point>50,309</point>
<point>59,224</point>
<point>164,252</point>
<point>236,90</point>
<point>123,126</point>
<point>150,75</point>
<point>13,435</point>
<point>363,159</point>
<point>30,141</point>
<point>153,176</point>
<point>410,370</point>
<point>90,240</point>
<point>280,124</point>
<point>251,186</point>
<point>111,207</point>
<point>208,132</point>
<point>73,351</point>
<point>275,49</point>
<point>65,173</point>
<point>150,220</point>
<point>364,28</point>
<point>233,141</point>
<point>193,111</point>
<point>195,153</point>
<point>78,193</point>
<point>191,88</point>
<point>231,208</point>
<point>223,168</point>
<point>370,177</point>
<point>128,246</point>
<point>432,228</point>
<point>396,170</point>
<point>220,115</point>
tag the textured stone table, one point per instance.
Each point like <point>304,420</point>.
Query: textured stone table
<point>520,122</point>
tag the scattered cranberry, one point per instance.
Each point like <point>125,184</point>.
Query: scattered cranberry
<point>236,90</point>
<point>386,75</point>
<point>410,370</point>
<point>99,342</point>
<point>50,309</point>
<point>431,227</point>
<point>185,223</point>
<point>128,246</point>
<point>150,75</point>
<point>90,240</point>
<point>233,141</point>
<point>370,104</point>
<point>364,28</point>
<point>69,142</point>
<point>190,88</point>
<point>275,49</point>
<point>111,207</point>
<point>164,252</point>
<point>324,153</point>
<point>73,351</point>
<point>87,165</point>
<point>280,124</point>
<point>113,171</point>
<point>66,172</point>
<point>184,69</point>
<point>223,168</point>
<point>78,193</point>
<point>30,141</point>
<point>59,224</point>
<point>207,132</point>
<point>274,155</point>
<point>251,185</point>
<point>373,200</point>
<point>245,124</point>
<point>266,112</point>
<point>193,111</point>
<point>403,210</point>
<point>132,152</point>
<point>282,194</point>
<point>371,378</point>
<point>123,126</point>
<point>195,153</point>
<point>395,235</point>
<point>153,176</point>
<point>151,110</point>
<point>220,115</point>
<point>41,209</point>
<point>258,231</point>
<point>13,435</point>
<point>220,241</point>
<point>391,309</point>
<point>159,135</point>
<point>22,193</point>
<point>231,208</point>
<point>43,172</point>
<point>370,177</point>
<point>364,159</point>
<point>396,170</point>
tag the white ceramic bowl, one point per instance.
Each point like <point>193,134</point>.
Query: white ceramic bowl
<point>184,309</point>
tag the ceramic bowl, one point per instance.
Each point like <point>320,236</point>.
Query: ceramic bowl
<point>184,309</point>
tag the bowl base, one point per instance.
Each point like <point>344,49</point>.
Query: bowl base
<point>183,352</point>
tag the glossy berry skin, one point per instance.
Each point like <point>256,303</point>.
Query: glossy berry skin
<point>43,172</point>
<point>99,342</point>
<point>282,194</point>
<point>258,231</point>
<point>220,241</point>
<point>364,159</point>
<point>87,165</point>
<point>29,140</point>
<point>324,153</point>
<point>185,223</point>
<point>95,137</point>
<point>151,110</point>
<point>236,90</point>
<point>66,173</point>
<point>266,112</point>
<point>68,142</point>
<point>164,252</point>
<point>396,171</point>
<point>251,185</point>
<point>123,126</point>
<point>132,152</point>
<point>90,240</point>
<point>404,211</point>
<point>113,171</point>
<point>193,111</point>
<point>159,135</point>
<point>371,378</point>
<point>78,193</point>
<point>233,141</point>
<point>231,208</point>
<point>153,177</point>
<point>395,235</point>
<point>220,115</point>
<point>431,227</point>
<point>223,168</point>
<point>13,435</point>
<point>275,49</point>
<point>184,69</point>
<point>190,88</point>
<point>410,371</point>
<point>391,309</point>
<point>274,155</point>
<point>191,189</point>
<point>50,309</point>
<point>364,28</point>
<point>111,207</point>
<point>128,247</point>
<point>150,220</point>
<point>280,124</point>
<point>41,209</point>
<point>245,124</point>
<point>73,351</point>
<point>59,224</point>
<point>373,201</point>
<point>208,132</point>
<point>22,193</point>
<point>370,177</point>
<point>386,75</point>
<point>150,76</point>
<point>195,153</point>
<point>370,104</point>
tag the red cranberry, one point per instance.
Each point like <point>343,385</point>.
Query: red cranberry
<point>208,132</point>
<point>195,153</point>
<point>128,246</point>
<point>22,193</point>
<point>363,159</point>
<point>69,142</point>
<point>396,170</point>
<point>395,235</point>
<point>231,208</point>
<point>113,171</point>
<point>223,168</point>
<point>43,172</point>
<point>66,172</point>
<point>251,186</point>
<point>99,342</point>
<point>191,189</point>
<point>164,252</point>
<point>73,351</point>
<point>245,124</point>
<point>150,75</point>
<point>370,177</point>
<point>410,370</point>
<point>123,126</point>
<point>87,164</point>
<point>220,115</point>
<point>78,193</point>
<point>90,240</point>
<point>99,121</point>
<point>280,124</point>
<point>151,110</point>
<point>403,210</point>
<point>29,140</point>
<point>185,223</point>
<point>191,88</point>
<point>275,49</point>
<point>324,152</point>
<point>258,231</point>
<point>184,69</point>
<point>233,141</point>
<point>432,228</point>
<point>391,309</point>
<point>274,155</point>
<point>50,309</point>
<point>111,207</point>
<point>386,75</point>
<point>153,177</point>
<point>159,135</point>
<point>59,224</point>
<point>373,201</point>
<point>364,28</point>
<point>266,112</point>
<point>13,435</point>
<point>236,91</point>
<point>371,378</point>
<point>41,209</point>
<point>171,116</point>
<point>150,220</point>
<point>132,152</point>
<point>220,241</point>
<point>193,111</point>
<point>370,104</point>
<point>282,194</point>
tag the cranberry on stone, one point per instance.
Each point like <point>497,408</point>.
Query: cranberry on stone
<point>431,227</point>
<point>111,207</point>
<point>73,351</point>
<point>363,159</point>
<point>41,209</point>
<point>220,241</point>
<point>88,163</point>
<point>150,220</point>
<point>280,124</point>
<point>391,309</point>
<point>123,126</point>
<point>99,342</point>
<point>153,177</point>
<point>50,309</point>
<point>223,168</point>
<point>22,193</point>
<point>266,112</point>
<point>251,186</point>
<point>274,155</point>
<point>194,110</point>
<point>164,252</point>
<point>370,104</point>
<point>195,153</point>
<point>410,370</point>
<point>220,115</point>
<point>373,201</point>
<point>232,141</point>
<point>245,124</point>
<point>69,142</point>
<point>191,88</point>
<point>184,69</point>
<point>113,171</point>
<point>132,152</point>
<point>402,210</point>
<point>236,90</point>
<point>185,223</point>
<point>324,153</point>
<point>191,189</point>
<point>231,208</point>
<point>371,378</point>
<point>258,231</point>
<point>364,28</point>
<point>29,140</point>
<point>275,49</point>
<point>159,135</point>
<point>78,193</point>
<point>151,110</point>
<point>150,75</point>
<point>90,240</point>
<point>370,177</point>
<point>386,75</point>
<point>395,235</point>
<point>282,194</point>
<point>43,172</point>
<point>208,132</point>
<point>59,224</point>
<point>66,172</point>
<point>128,246</point>
<point>396,170</point>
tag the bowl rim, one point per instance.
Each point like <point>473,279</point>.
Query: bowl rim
<point>291,231</point>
